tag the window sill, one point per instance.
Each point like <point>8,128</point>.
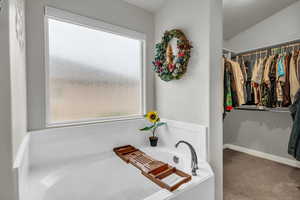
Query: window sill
<point>90,122</point>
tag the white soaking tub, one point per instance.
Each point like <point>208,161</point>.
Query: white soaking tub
<point>107,177</point>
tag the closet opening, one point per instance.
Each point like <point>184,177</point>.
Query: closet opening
<point>261,100</point>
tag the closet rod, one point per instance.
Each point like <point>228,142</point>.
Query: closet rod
<point>269,48</point>
<point>228,50</point>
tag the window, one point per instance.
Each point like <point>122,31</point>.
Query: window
<point>94,70</point>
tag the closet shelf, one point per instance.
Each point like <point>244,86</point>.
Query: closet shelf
<point>268,49</point>
<point>262,109</point>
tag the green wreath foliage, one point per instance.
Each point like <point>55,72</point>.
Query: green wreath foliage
<point>170,71</point>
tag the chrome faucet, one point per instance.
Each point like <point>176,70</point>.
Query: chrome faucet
<point>194,164</point>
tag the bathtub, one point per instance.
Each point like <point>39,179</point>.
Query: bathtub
<point>106,177</point>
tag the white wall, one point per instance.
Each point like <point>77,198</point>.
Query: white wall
<point>115,12</point>
<point>13,92</point>
<point>283,26</point>
<point>265,132</point>
<point>193,98</point>
<point>215,108</point>
<point>18,72</point>
<point>226,45</point>
<point>186,99</point>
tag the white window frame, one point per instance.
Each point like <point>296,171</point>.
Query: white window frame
<point>53,13</point>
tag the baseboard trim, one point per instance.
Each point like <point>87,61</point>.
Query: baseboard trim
<point>267,156</point>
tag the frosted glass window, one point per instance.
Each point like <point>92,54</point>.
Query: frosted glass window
<point>92,74</point>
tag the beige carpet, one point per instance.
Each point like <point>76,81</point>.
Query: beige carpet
<point>251,178</point>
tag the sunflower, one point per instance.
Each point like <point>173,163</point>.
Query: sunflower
<point>152,116</point>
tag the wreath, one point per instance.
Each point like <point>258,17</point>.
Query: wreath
<point>167,65</point>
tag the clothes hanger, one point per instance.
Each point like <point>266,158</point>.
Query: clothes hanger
<point>293,49</point>
<point>285,50</point>
<point>259,54</point>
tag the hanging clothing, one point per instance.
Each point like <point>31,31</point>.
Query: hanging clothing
<point>257,78</point>
<point>265,95</point>
<point>233,86</point>
<point>271,81</point>
<point>254,81</point>
<point>266,78</point>
<point>294,143</point>
<point>223,81</point>
<point>239,81</point>
<point>266,84</point>
<point>249,95</point>
<point>286,88</point>
<point>244,72</point>
<point>261,85</point>
<point>294,83</point>
<point>255,75</point>
<point>280,73</point>
<point>227,95</point>
<point>280,66</point>
<point>272,77</point>
<point>298,67</point>
<point>262,68</point>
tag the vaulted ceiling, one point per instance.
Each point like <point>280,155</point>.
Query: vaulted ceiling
<point>239,15</point>
<point>150,5</point>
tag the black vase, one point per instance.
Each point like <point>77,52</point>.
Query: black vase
<point>153,141</point>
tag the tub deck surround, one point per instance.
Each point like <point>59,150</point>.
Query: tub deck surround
<point>21,167</point>
<point>75,163</point>
<point>155,170</point>
<point>107,177</point>
<point>57,145</point>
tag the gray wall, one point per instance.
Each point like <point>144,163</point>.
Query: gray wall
<point>194,97</point>
<point>6,154</point>
<point>116,12</point>
<point>263,131</point>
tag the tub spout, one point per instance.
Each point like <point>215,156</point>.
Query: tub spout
<point>194,164</point>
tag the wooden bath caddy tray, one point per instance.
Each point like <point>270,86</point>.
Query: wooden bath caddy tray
<point>162,174</point>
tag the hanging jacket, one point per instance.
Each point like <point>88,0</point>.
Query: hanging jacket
<point>286,88</point>
<point>239,81</point>
<point>294,143</point>
<point>280,74</point>
<point>272,76</point>
<point>280,66</point>
<point>266,78</point>
<point>294,83</point>
<point>223,82</point>
<point>249,64</point>
<point>228,104</point>
<point>266,92</point>
<point>254,81</point>
<point>233,88</point>
<point>298,67</point>
<point>244,72</point>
